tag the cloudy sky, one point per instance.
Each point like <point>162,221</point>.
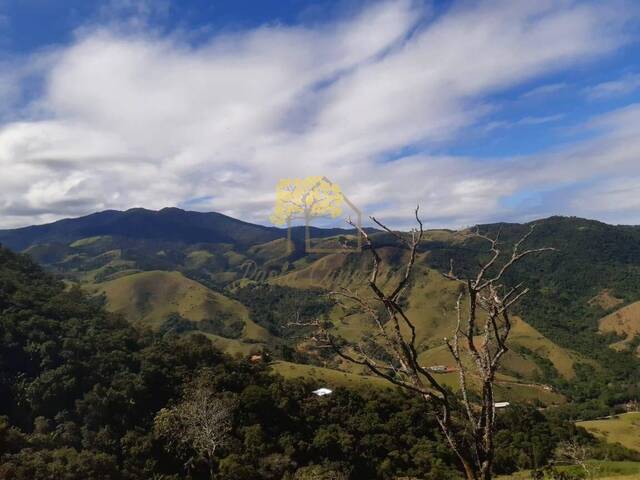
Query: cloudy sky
<point>478,111</point>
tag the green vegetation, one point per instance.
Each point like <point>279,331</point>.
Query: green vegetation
<point>80,389</point>
<point>275,307</point>
<point>327,377</point>
<point>606,470</point>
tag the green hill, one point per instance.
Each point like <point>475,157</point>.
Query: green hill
<point>149,298</point>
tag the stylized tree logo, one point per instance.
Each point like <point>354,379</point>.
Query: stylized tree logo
<point>311,197</point>
<point>308,198</point>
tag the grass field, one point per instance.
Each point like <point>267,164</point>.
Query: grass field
<point>83,242</point>
<point>606,300</point>
<point>149,297</point>
<point>505,391</point>
<point>327,377</point>
<point>624,429</point>
<point>515,364</point>
<point>198,258</point>
<point>605,470</point>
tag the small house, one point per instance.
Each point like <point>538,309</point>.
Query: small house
<point>321,392</point>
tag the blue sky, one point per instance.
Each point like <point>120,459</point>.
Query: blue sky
<point>478,110</point>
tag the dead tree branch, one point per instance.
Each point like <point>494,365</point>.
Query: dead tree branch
<point>479,342</point>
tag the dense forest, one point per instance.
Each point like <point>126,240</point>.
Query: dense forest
<point>87,396</point>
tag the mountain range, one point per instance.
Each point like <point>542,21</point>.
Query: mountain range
<point>237,283</point>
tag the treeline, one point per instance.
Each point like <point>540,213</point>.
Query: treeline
<point>276,307</point>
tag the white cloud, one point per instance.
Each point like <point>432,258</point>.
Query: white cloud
<point>625,85</point>
<point>545,90</point>
<point>540,120</point>
<point>143,120</point>
<point>529,120</point>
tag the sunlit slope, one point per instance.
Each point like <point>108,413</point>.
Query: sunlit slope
<point>327,377</point>
<point>147,298</point>
<point>605,470</point>
<point>624,429</point>
<point>336,270</point>
<point>430,304</point>
<point>624,322</point>
<point>563,360</point>
<point>330,378</point>
<point>505,389</point>
<point>516,364</point>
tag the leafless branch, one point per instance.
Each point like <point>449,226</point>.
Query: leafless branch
<point>479,342</point>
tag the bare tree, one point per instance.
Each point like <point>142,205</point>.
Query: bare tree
<point>200,423</point>
<point>479,341</point>
<point>578,454</point>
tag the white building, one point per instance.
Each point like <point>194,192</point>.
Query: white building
<point>321,392</point>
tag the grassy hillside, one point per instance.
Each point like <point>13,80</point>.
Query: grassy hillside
<point>566,299</point>
<point>87,380</point>
<point>327,377</point>
<point>624,429</point>
<point>82,394</point>
<point>149,298</point>
<point>335,270</point>
<point>563,360</point>
<point>506,389</point>
<point>625,323</point>
<point>607,470</point>
<point>232,346</point>
<point>430,304</point>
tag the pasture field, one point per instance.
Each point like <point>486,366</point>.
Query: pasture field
<point>604,470</point>
<point>624,322</point>
<point>623,429</point>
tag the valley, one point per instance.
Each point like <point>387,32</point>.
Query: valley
<point>242,294</point>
